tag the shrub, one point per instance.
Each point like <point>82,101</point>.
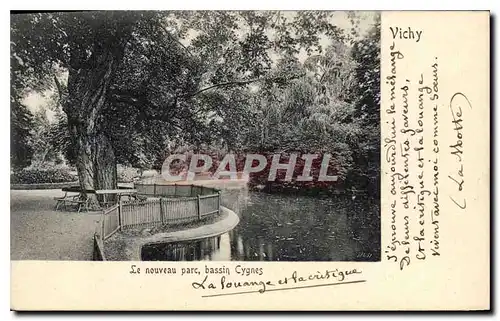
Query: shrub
<point>127,174</point>
<point>39,176</point>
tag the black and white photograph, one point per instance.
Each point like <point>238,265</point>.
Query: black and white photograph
<point>195,136</point>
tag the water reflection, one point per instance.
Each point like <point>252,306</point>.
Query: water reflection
<point>286,228</point>
<point>211,249</point>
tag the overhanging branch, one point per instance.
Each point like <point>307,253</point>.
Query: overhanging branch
<point>239,82</point>
<point>224,84</point>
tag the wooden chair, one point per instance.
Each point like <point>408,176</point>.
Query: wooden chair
<point>65,198</point>
<point>79,200</point>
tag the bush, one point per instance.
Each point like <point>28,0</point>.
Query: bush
<point>40,176</point>
<point>127,174</point>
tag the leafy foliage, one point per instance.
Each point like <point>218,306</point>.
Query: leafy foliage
<point>20,150</point>
<point>153,82</point>
<point>366,54</point>
<point>44,149</point>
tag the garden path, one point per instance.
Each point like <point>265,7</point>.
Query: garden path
<point>37,232</point>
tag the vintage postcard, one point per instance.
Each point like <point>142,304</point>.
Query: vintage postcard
<point>250,160</point>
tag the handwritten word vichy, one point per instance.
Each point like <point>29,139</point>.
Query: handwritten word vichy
<point>405,33</point>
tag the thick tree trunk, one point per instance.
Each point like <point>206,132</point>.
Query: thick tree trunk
<point>105,165</point>
<point>96,163</point>
<point>95,158</point>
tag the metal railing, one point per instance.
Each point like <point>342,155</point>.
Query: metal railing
<point>159,205</point>
<point>158,190</point>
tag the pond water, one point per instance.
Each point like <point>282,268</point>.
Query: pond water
<point>286,228</point>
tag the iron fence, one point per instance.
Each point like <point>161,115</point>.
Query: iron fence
<point>160,205</point>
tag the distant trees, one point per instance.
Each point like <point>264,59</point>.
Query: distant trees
<point>21,120</point>
<point>333,107</point>
<point>366,98</point>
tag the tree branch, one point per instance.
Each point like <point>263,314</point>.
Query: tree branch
<point>60,92</point>
<point>118,98</point>
<point>238,82</point>
<point>224,84</point>
<point>59,88</point>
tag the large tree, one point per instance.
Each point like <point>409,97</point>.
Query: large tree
<point>90,48</point>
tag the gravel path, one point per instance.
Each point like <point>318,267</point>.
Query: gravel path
<point>37,232</point>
